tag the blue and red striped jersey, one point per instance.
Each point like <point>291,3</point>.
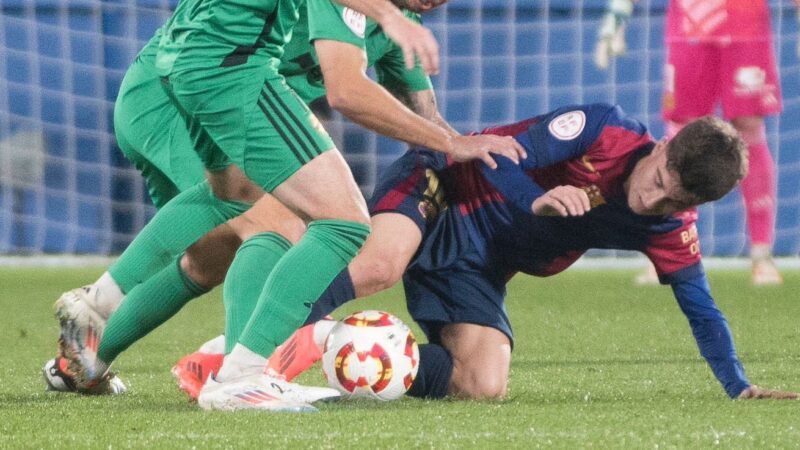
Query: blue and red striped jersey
<point>593,147</point>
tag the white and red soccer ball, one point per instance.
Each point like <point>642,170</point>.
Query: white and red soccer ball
<point>371,354</point>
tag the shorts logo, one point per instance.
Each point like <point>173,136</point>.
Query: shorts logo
<point>750,80</point>
<point>567,126</point>
<point>355,21</point>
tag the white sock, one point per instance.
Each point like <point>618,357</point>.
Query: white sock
<point>322,329</point>
<point>760,252</point>
<point>241,361</point>
<point>109,295</point>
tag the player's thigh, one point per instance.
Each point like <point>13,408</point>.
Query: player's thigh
<point>268,214</point>
<point>481,360</point>
<point>749,80</point>
<point>691,81</point>
<point>324,189</point>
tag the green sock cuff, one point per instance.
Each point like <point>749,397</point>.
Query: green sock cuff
<point>269,238</point>
<point>345,238</point>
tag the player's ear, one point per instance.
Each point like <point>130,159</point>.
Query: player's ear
<point>661,145</point>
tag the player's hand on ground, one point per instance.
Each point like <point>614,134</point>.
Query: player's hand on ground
<point>755,392</point>
<point>563,201</point>
<point>482,146</point>
<point>414,39</point>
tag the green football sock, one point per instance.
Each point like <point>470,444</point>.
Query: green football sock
<point>298,279</point>
<point>246,278</point>
<point>177,225</point>
<point>147,306</point>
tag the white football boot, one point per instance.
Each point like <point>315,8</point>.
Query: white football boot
<point>58,378</point>
<point>263,392</point>
<point>81,330</point>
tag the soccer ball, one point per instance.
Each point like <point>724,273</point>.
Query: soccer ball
<point>371,354</point>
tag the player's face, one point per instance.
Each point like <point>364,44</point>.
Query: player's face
<point>655,190</point>
<point>419,6</point>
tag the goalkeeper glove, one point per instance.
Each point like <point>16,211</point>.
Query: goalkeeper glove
<point>611,37</point>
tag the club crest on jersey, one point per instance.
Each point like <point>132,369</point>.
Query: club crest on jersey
<point>355,21</point>
<point>567,126</point>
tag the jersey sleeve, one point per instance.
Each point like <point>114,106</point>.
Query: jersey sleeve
<point>676,253</point>
<point>392,73</point>
<point>711,331</point>
<point>564,134</point>
<point>329,20</point>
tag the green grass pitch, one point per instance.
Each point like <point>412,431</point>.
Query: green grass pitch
<point>597,363</point>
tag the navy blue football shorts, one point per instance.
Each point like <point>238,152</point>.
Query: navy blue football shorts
<point>448,281</point>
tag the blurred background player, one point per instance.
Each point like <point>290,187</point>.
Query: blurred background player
<point>593,178</point>
<point>719,52</point>
<point>166,158</point>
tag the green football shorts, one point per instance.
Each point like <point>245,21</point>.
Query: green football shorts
<point>249,116</point>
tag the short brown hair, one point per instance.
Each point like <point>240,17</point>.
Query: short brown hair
<point>709,157</point>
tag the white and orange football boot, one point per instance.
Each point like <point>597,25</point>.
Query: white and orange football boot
<point>81,330</point>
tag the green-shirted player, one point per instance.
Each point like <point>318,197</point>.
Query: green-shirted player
<point>195,200</point>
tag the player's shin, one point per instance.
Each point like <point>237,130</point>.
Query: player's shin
<point>246,278</point>
<point>182,221</point>
<point>146,307</point>
<point>297,281</point>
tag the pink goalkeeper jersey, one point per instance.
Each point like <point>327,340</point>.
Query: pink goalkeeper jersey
<point>718,20</point>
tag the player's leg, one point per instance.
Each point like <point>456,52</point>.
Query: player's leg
<point>268,231</point>
<point>408,198</point>
<point>404,203</point>
<point>152,134</point>
<point>751,91</point>
<point>265,129</point>
<point>323,190</point>
<point>481,360</point>
<point>201,268</point>
<point>460,308</point>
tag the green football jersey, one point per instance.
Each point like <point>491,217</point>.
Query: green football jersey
<point>326,19</point>
<point>226,33</point>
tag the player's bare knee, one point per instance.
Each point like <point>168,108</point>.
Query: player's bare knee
<point>193,268</point>
<point>478,384</point>
<point>289,226</point>
<point>382,273</point>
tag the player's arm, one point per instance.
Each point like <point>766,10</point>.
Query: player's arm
<point>412,37</point>
<point>365,102</point>
<point>564,134</point>
<point>424,104</point>
<point>714,339</point>
<point>411,86</point>
<point>710,330</point>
